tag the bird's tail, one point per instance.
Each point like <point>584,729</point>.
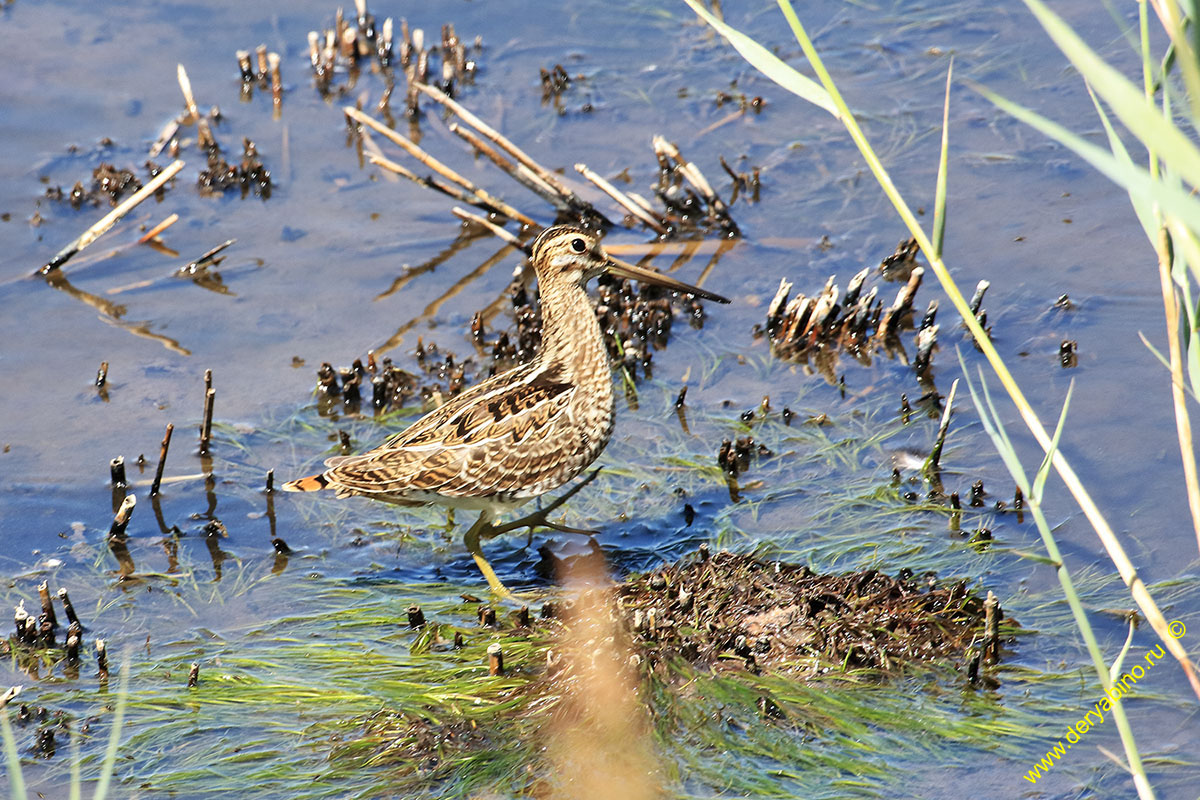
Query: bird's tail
<point>313,483</point>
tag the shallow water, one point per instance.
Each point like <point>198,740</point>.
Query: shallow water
<point>304,280</point>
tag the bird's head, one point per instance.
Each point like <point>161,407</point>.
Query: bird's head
<point>565,253</point>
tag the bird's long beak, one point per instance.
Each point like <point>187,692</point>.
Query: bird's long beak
<point>626,270</point>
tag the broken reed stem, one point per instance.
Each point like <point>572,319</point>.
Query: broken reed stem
<point>72,647</point>
<point>977,298</point>
<point>416,617</point>
<point>185,86</point>
<point>206,428</point>
<point>495,655</point>
<point>9,693</point>
<point>991,629</point>
<point>495,204</point>
<point>102,375</point>
<point>162,459</point>
<point>101,660</point>
<point>935,457</point>
<point>496,230</point>
<point>204,137</point>
<point>276,78</point>
<point>165,137</point>
<point>116,470</point>
<point>616,194</point>
<point>429,182</point>
<point>47,603</point>
<point>68,607</point>
<point>121,518</point>
<point>1183,424</point>
<point>243,59</point>
<point>518,172</point>
<point>695,177</point>
<point>209,256</point>
<point>108,220</point>
<point>159,228</point>
<point>567,196</point>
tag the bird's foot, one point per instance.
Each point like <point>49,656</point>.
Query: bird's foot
<point>540,518</point>
<point>497,586</point>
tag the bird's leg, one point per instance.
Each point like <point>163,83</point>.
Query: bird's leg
<point>538,518</point>
<point>483,527</point>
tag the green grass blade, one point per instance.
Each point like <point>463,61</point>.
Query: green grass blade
<point>992,424</point>
<point>1039,480</point>
<point>1130,177</point>
<point>994,427</point>
<point>1141,206</point>
<point>1149,82</point>
<point>1193,361</point>
<point>76,791</point>
<point>1115,670</point>
<point>16,780</point>
<point>1104,531</point>
<point>1127,101</point>
<point>1154,350</point>
<point>114,737</point>
<point>939,201</point>
<point>768,63</point>
<point>1176,28</point>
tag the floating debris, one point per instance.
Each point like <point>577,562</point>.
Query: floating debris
<point>248,176</point>
<point>1068,353</point>
<point>674,171</point>
<point>554,82</point>
<point>109,185</point>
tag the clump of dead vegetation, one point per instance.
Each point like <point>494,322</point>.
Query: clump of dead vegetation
<point>739,610</point>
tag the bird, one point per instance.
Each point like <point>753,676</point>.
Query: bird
<point>521,433</point>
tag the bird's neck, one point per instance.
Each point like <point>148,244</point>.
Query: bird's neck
<point>571,338</point>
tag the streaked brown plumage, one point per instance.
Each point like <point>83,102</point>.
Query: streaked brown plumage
<point>519,434</point>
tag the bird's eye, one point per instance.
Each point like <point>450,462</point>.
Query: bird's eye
<point>578,245</point>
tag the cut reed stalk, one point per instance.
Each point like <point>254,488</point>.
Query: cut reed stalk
<point>111,218</point>
<point>162,459</point>
<point>1183,424</point>
<point>159,228</point>
<point>496,230</point>
<point>414,150</point>
<point>569,197</point>
<point>1108,538</point>
<point>622,200</point>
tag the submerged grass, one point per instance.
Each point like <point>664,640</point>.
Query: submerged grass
<point>784,75</point>
<point>339,698</point>
<point>311,685</point>
<point>1163,205</point>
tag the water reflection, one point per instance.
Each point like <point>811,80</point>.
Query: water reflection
<point>111,313</point>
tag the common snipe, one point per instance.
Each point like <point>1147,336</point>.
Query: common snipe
<point>521,433</point>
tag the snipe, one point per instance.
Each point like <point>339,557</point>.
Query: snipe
<point>521,433</point>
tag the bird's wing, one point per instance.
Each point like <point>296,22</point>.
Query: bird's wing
<point>509,433</point>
